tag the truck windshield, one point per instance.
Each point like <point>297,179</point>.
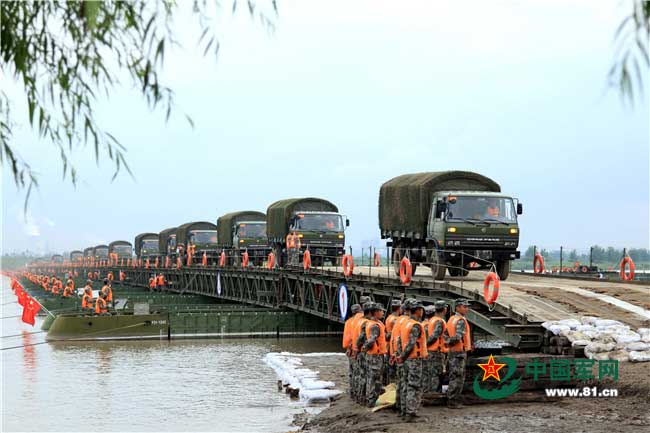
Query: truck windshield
<point>203,236</point>
<point>251,230</point>
<point>150,245</point>
<point>101,252</point>
<point>75,257</point>
<point>171,241</point>
<point>488,209</point>
<point>122,250</point>
<point>319,222</point>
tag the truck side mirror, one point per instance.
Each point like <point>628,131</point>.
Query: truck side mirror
<point>441,207</point>
<point>347,222</point>
<point>520,209</point>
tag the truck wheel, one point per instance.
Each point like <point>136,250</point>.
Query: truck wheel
<point>456,272</point>
<point>397,258</point>
<point>503,269</point>
<point>438,268</point>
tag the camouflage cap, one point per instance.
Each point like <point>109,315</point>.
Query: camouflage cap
<point>415,304</point>
<point>429,310</point>
<point>368,306</point>
<point>462,302</point>
<point>395,303</point>
<point>364,299</point>
<point>441,304</point>
<point>355,308</point>
<point>378,306</point>
<point>406,305</point>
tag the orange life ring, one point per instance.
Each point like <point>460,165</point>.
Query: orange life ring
<point>110,276</point>
<point>584,269</point>
<point>306,260</point>
<point>576,264</point>
<point>625,276</point>
<point>204,260</point>
<point>222,259</point>
<point>473,265</point>
<point>491,297</point>
<point>405,270</point>
<point>122,276</point>
<point>376,261</point>
<point>270,261</point>
<point>538,264</point>
<point>244,260</point>
<point>178,262</point>
<point>554,270</point>
<point>348,265</point>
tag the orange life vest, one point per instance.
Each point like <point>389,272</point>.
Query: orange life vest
<point>88,291</point>
<point>380,347</point>
<point>86,301</point>
<point>390,322</point>
<point>439,344</point>
<point>160,281</point>
<point>396,332</point>
<point>109,293</point>
<point>55,288</point>
<point>100,305</point>
<point>152,283</point>
<point>67,292</point>
<point>460,346</point>
<point>348,329</point>
<point>420,349</point>
<point>356,331</point>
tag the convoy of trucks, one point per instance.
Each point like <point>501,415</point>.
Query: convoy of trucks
<point>76,256</point>
<point>449,221</point>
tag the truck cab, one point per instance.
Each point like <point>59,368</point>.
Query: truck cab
<point>322,232</point>
<point>483,225</point>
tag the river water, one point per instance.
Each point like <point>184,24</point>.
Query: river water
<point>181,385</point>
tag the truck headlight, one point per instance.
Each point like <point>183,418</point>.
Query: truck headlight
<point>451,229</point>
<point>241,241</point>
<point>341,236</point>
<point>514,231</point>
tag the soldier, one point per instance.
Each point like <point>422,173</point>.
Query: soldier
<point>457,337</point>
<point>426,363</point>
<point>395,305</point>
<point>361,356</point>
<point>412,350</point>
<point>394,351</point>
<point>436,346</point>
<point>347,343</point>
<point>375,349</point>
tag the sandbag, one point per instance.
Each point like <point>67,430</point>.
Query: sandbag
<point>645,334</point>
<point>571,323</point>
<point>576,335</point>
<point>588,320</point>
<point>618,355</point>
<point>583,328</point>
<point>599,356</point>
<point>597,347</point>
<point>637,346</point>
<point>628,337</point>
<point>640,356</point>
<point>606,322</point>
<point>557,329</point>
<point>580,343</point>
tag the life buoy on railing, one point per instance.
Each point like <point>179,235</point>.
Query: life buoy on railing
<point>222,259</point>
<point>155,263</point>
<point>110,276</point>
<point>270,261</point>
<point>306,260</point>
<point>168,262</point>
<point>405,270</point>
<point>584,269</point>
<point>146,264</point>
<point>491,296</point>
<point>627,276</point>
<point>244,259</point>
<point>348,265</point>
<point>538,264</point>
<point>122,276</point>
<point>376,261</point>
<point>204,260</point>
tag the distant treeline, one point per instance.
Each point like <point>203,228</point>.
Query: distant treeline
<point>598,255</point>
<point>15,261</point>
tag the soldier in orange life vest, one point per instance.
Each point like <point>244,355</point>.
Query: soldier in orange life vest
<point>55,286</point>
<point>160,281</point>
<point>100,304</point>
<point>88,289</point>
<point>360,356</point>
<point>405,310</point>
<point>458,338</point>
<point>395,305</point>
<point>412,347</point>
<point>355,309</point>
<point>67,291</point>
<point>87,298</point>
<point>107,291</point>
<point>152,284</point>
<point>436,347</point>
<point>376,349</point>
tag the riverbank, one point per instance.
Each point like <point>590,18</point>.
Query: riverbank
<point>626,413</point>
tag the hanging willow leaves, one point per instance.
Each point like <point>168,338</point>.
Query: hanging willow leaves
<point>63,54</point>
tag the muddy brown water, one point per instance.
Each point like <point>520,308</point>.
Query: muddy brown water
<point>178,385</point>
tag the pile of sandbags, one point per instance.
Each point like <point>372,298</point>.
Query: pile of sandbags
<point>598,339</point>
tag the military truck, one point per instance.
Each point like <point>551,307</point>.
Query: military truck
<point>167,243</point>
<point>243,231</point>
<point>146,246</point>
<point>101,252</point>
<point>201,236</point>
<point>89,253</point>
<point>449,219</point>
<point>317,223</point>
<point>57,259</point>
<point>76,256</point>
<point>123,249</point>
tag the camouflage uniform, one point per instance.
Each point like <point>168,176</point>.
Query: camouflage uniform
<point>457,361</point>
<point>434,362</point>
<point>360,389</point>
<point>412,376</point>
<point>374,368</point>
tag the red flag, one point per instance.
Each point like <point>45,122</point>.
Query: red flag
<point>29,311</point>
<point>22,298</point>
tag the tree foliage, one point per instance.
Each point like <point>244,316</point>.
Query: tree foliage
<point>68,55</point>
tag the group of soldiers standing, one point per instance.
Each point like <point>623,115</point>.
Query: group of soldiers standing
<point>413,346</point>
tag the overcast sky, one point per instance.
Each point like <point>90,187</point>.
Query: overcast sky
<point>345,95</point>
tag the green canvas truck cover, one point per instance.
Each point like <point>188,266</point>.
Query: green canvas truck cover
<point>227,221</point>
<point>95,252</point>
<point>162,239</point>
<point>88,252</point>
<point>76,253</point>
<point>116,243</point>
<point>405,201</point>
<point>182,231</point>
<point>137,242</point>
<point>279,213</point>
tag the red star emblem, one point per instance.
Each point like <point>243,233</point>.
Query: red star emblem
<point>491,369</point>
